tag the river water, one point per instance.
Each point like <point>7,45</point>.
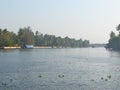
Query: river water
<point>59,69</point>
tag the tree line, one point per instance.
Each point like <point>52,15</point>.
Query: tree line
<point>25,36</point>
<point>114,41</point>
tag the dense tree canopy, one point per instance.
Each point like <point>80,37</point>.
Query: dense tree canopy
<point>118,28</point>
<point>7,38</point>
<point>52,40</point>
<point>114,41</point>
<point>25,36</point>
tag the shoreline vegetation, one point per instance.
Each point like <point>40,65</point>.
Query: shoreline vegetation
<point>35,47</point>
<point>25,38</point>
<point>18,47</point>
<point>114,41</point>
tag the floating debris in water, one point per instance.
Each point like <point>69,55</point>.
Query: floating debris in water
<point>61,76</point>
<point>102,78</point>
<point>40,76</point>
<point>106,79</point>
<point>109,76</point>
<point>4,83</point>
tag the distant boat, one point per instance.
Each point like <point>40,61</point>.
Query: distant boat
<point>29,46</point>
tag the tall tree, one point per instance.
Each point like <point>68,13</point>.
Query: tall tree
<point>26,36</point>
<point>7,38</point>
<point>80,43</point>
<point>38,39</point>
<point>114,41</point>
<point>85,43</point>
<point>112,34</point>
<point>118,28</point>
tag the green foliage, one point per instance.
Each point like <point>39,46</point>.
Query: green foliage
<point>7,38</point>
<point>112,35</point>
<point>118,28</point>
<point>38,39</point>
<point>85,43</point>
<point>26,37</point>
<point>52,40</point>
<point>114,41</point>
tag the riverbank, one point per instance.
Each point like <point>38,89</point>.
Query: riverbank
<point>10,47</point>
<point>35,47</point>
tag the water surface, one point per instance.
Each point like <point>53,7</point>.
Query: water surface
<point>59,69</point>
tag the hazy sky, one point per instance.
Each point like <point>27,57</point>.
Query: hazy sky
<point>87,19</point>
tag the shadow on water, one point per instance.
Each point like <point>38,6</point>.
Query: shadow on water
<point>114,53</point>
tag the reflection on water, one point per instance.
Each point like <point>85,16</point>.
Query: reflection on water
<point>59,69</point>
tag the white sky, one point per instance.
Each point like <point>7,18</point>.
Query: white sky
<point>87,19</point>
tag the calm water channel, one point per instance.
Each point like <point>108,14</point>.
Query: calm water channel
<point>59,69</point>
